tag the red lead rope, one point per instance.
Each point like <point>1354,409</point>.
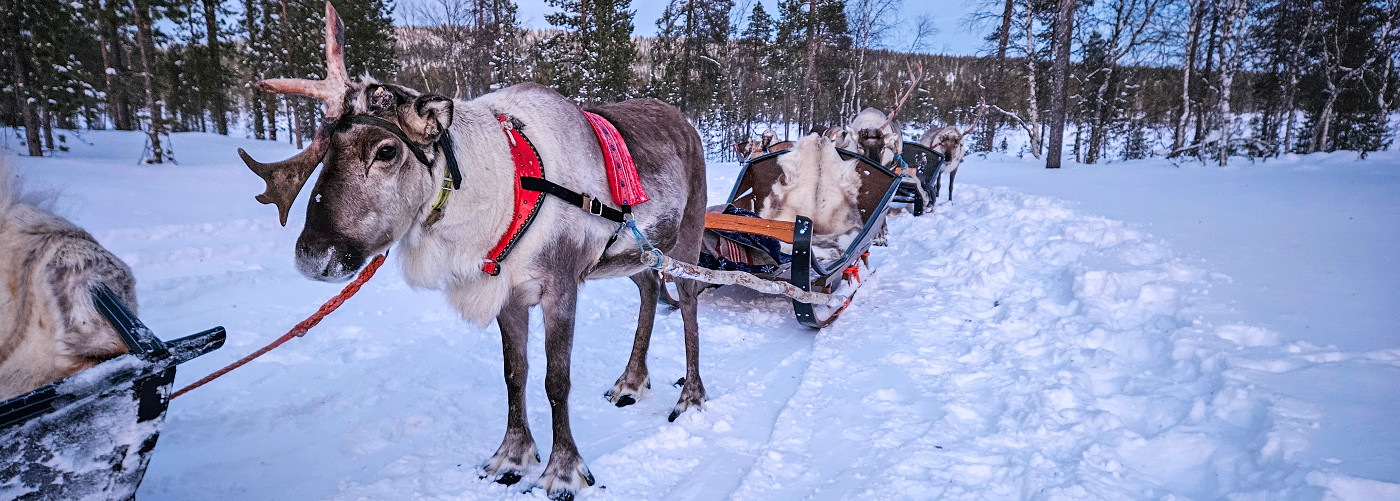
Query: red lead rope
<point>300,329</point>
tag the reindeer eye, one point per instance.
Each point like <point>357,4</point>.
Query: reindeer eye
<point>386,154</point>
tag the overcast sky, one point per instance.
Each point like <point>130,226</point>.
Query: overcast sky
<point>955,32</point>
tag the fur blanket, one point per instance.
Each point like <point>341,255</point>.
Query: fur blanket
<point>818,184</point>
<point>49,328</point>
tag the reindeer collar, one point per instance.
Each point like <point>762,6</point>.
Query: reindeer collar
<point>527,202</point>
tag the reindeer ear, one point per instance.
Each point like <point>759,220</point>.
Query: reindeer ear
<point>432,114</point>
<point>380,99</point>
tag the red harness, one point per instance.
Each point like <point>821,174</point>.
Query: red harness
<point>530,185</point>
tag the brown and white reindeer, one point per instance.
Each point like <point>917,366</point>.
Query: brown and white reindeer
<point>49,328</point>
<point>947,141</point>
<point>386,150</point>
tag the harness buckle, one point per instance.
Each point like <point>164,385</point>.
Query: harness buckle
<point>592,205</point>
<point>447,184</point>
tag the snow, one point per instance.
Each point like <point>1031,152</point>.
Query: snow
<point>1125,331</point>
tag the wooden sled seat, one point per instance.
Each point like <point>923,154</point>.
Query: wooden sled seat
<point>781,230</point>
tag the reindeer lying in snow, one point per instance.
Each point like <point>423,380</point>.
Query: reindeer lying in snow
<point>49,328</point>
<point>386,150</point>
<point>949,142</point>
<point>818,184</point>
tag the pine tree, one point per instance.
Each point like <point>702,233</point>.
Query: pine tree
<point>369,35</point>
<point>692,35</point>
<point>591,61</point>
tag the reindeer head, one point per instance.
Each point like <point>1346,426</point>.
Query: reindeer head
<point>839,137</point>
<point>379,146</point>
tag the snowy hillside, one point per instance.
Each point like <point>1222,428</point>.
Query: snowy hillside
<point>1129,331</point>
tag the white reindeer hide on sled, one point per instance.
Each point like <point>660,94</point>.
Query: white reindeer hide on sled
<point>818,184</point>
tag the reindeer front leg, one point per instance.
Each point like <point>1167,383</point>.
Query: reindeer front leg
<point>565,474</point>
<point>634,382</point>
<point>517,453</point>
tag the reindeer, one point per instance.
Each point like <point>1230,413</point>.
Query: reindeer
<point>880,137</point>
<point>49,328</point>
<point>947,141</point>
<point>840,137</point>
<point>386,150</point>
<point>751,149</point>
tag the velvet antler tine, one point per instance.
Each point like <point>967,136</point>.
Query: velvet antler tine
<point>331,90</point>
<point>335,45</point>
<point>285,179</point>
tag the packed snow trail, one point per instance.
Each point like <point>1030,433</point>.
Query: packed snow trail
<point>1007,346</point>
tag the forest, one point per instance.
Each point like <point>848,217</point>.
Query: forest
<point>1088,81</point>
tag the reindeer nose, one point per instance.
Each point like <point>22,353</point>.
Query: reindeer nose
<point>328,258</point>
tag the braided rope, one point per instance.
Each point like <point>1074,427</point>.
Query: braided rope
<point>300,329</point>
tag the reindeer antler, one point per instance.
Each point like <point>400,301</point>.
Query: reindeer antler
<point>286,178</point>
<point>331,90</point>
<point>916,74</point>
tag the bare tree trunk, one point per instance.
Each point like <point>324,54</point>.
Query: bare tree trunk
<point>1032,102</point>
<point>1099,120</point>
<point>1059,74</point>
<point>989,131</point>
<point>1193,39</point>
<point>219,102</point>
<point>270,109</point>
<point>147,47</point>
<point>26,107</point>
<point>1229,61</point>
<point>1323,132</point>
<point>46,123</point>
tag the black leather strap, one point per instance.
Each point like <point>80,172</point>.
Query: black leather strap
<point>588,203</point>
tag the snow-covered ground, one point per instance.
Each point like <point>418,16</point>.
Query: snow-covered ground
<point>1127,331</point>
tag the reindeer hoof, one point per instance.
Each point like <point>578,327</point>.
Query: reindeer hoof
<point>679,383</point>
<point>628,390</point>
<point>563,480</point>
<point>692,396</point>
<point>510,462</point>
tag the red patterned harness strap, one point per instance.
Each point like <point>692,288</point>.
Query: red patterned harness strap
<point>527,202</point>
<point>622,172</point>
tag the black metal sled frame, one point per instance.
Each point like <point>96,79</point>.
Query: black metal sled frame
<point>927,165</point>
<point>91,435</point>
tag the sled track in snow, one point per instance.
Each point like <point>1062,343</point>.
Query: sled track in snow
<point>1007,347</point>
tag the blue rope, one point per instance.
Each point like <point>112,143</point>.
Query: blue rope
<point>644,244</point>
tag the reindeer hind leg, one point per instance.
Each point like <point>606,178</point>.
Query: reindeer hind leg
<point>692,388</point>
<point>634,382</point>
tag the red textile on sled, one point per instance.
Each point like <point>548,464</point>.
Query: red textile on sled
<point>527,203</point>
<point>622,172</point>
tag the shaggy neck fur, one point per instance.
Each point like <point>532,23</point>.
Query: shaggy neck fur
<point>447,255</point>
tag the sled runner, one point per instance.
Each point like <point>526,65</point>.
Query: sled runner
<point>90,436</point>
<point>839,277</point>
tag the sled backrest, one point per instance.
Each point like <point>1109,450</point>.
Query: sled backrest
<point>758,176</point>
